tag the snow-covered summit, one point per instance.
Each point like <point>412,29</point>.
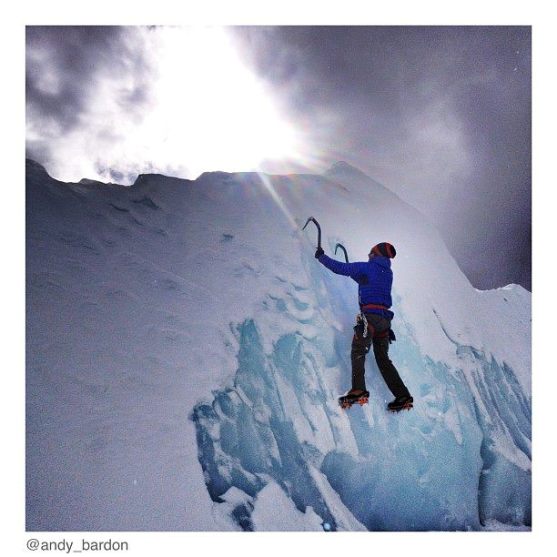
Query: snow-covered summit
<point>342,166</point>
<point>185,351</point>
<point>358,181</point>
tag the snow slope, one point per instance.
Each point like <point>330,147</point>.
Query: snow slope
<point>185,352</point>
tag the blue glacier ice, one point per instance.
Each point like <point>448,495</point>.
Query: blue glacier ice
<point>431,469</point>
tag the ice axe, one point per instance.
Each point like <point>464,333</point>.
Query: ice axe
<point>311,219</point>
<point>343,249</point>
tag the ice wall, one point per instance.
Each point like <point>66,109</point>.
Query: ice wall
<point>185,353</point>
<point>459,460</point>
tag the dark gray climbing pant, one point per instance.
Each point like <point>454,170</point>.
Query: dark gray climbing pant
<point>377,328</point>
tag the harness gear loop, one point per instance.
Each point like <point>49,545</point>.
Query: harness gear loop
<point>361,319</point>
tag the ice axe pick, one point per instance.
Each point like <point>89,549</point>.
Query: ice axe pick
<point>311,219</point>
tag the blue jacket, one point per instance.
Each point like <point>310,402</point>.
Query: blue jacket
<point>374,279</point>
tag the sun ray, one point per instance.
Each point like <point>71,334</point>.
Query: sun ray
<point>267,184</point>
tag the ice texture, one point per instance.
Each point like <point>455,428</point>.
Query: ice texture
<point>185,352</point>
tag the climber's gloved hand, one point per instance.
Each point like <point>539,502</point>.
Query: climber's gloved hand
<point>319,252</point>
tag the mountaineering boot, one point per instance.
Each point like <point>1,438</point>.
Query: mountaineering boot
<point>401,403</point>
<point>351,397</point>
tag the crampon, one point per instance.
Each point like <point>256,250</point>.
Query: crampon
<point>348,400</point>
<point>403,403</point>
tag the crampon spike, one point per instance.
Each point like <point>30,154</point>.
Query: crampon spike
<point>407,406</point>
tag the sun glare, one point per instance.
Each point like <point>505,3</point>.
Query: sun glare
<point>199,108</point>
<point>210,111</point>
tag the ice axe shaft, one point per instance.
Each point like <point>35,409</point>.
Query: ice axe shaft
<point>311,219</point>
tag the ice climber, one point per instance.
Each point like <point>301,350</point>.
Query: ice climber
<point>373,324</point>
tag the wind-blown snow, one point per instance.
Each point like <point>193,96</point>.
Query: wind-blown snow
<point>185,352</point>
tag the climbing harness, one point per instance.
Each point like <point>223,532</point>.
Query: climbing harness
<point>362,322</point>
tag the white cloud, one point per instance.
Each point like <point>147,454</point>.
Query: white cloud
<point>190,106</point>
